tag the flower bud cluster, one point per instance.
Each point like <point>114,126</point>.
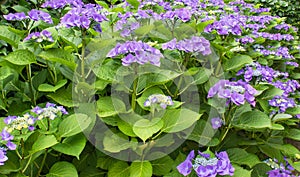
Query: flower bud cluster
<point>50,111</point>
<point>279,169</point>
<point>158,99</point>
<point>40,36</point>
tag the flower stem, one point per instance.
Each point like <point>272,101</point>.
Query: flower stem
<point>28,68</point>
<point>133,97</point>
<point>43,163</point>
<point>83,32</point>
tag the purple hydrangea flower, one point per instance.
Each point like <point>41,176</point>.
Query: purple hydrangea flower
<point>237,92</point>
<point>136,52</point>
<point>282,103</point>
<point>82,16</point>
<point>158,99</point>
<point>3,157</point>
<point>50,111</point>
<point>57,4</point>
<point>5,136</point>
<point>185,168</point>
<point>40,36</point>
<point>279,169</point>
<point>205,165</point>
<point>216,122</point>
<point>11,146</point>
<point>195,45</point>
<point>37,15</point>
<point>15,16</point>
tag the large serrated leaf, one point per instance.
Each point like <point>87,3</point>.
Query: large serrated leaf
<point>59,55</point>
<point>119,169</point>
<point>21,57</point>
<point>62,169</point>
<point>9,37</point>
<point>145,128</point>
<point>237,62</point>
<point>73,125</point>
<point>242,157</point>
<point>179,119</point>
<point>141,169</point>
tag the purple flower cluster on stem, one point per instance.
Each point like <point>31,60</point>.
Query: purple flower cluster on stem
<point>58,4</point>
<point>33,14</point>
<point>282,102</point>
<point>81,16</point>
<point>279,169</point>
<point>195,45</point>
<point>205,165</point>
<point>50,111</point>
<point>236,92</point>
<point>40,36</point>
<point>136,52</point>
<point>158,99</point>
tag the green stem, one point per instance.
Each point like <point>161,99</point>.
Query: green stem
<point>28,68</point>
<point>133,97</point>
<point>83,32</point>
<point>43,163</point>
<point>26,166</point>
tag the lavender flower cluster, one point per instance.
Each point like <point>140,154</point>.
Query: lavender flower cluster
<point>40,36</point>
<point>206,165</point>
<point>136,52</point>
<point>58,4</point>
<point>279,169</point>
<point>216,122</point>
<point>260,73</point>
<point>158,99</point>
<point>16,124</point>
<point>81,16</point>
<point>50,111</point>
<point>33,14</point>
<point>269,50</point>
<point>236,92</point>
<point>195,45</point>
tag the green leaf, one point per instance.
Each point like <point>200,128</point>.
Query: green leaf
<point>116,142</point>
<point>271,92</point>
<point>144,30</point>
<point>253,120</point>
<point>21,57</point>
<point>5,71</point>
<point>293,111</point>
<point>50,88</point>
<point>72,145</point>
<point>201,26</point>
<point>260,170</point>
<point>73,125</point>
<point>9,37</point>
<point>119,169</point>
<point>134,3</point>
<point>242,157</point>
<point>60,56</point>
<point>107,71</point>
<point>110,106</point>
<point>63,97</point>
<point>62,169</point>
<point>281,117</point>
<point>145,128</point>
<point>271,152</point>
<point>240,171</point>
<point>141,169</point>
<point>162,166</point>
<point>11,165</point>
<point>237,62</point>
<point>293,134</point>
<point>202,76</point>
<point>106,162</point>
<point>179,119</point>
<point>43,142</point>
<point>203,134</point>
<point>70,36</point>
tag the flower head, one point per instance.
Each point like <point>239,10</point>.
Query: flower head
<point>216,122</point>
<point>206,165</point>
<point>158,99</point>
<point>237,92</point>
<point>136,52</point>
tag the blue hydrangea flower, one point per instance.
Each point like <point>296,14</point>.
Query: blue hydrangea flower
<point>50,111</point>
<point>158,99</point>
<point>205,165</point>
<point>236,92</point>
<point>136,52</point>
<point>216,122</point>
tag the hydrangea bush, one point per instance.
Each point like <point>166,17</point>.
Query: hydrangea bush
<point>148,88</point>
